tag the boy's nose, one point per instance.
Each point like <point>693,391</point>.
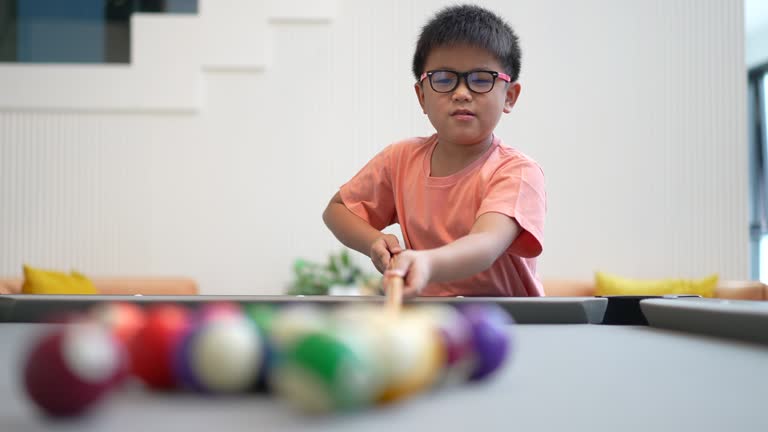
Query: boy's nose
<point>462,92</point>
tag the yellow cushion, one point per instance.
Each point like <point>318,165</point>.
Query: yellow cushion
<point>38,281</point>
<point>607,284</point>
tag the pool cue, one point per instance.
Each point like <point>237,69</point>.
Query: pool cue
<point>395,294</point>
<point>393,280</point>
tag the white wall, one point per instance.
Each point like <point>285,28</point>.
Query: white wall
<point>634,108</point>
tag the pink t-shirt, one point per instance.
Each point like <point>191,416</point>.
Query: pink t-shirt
<point>396,187</point>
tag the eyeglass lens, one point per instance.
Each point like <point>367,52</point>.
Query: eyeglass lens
<point>446,81</point>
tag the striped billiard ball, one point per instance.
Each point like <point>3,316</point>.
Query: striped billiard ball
<point>71,368</point>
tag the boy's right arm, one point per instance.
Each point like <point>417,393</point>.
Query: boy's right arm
<point>356,233</point>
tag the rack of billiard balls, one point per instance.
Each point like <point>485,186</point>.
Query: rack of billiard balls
<point>319,358</point>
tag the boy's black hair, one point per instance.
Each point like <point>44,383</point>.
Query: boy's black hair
<point>472,25</point>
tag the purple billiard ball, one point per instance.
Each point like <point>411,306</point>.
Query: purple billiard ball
<point>182,367</point>
<point>491,337</point>
<point>183,364</point>
<point>220,354</point>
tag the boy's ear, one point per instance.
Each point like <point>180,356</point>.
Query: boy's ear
<point>420,96</point>
<point>513,92</point>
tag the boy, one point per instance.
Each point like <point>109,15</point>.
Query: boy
<point>471,210</point>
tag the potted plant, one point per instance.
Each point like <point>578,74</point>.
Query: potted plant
<point>339,276</point>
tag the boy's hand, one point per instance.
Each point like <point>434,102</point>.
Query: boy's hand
<point>417,268</point>
<point>383,249</point>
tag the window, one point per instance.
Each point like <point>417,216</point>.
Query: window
<point>758,141</point>
<point>74,31</point>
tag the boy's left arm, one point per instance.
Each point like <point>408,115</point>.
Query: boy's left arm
<point>491,235</point>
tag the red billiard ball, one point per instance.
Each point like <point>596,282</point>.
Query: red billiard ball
<point>155,343</point>
<point>71,368</point>
<point>122,318</point>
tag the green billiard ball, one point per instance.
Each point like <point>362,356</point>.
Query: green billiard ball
<point>321,372</point>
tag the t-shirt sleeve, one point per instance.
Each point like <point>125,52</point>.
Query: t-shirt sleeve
<point>517,190</point>
<point>369,194</point>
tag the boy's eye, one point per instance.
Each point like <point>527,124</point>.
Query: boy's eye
<point>443,78</point>
<point>481,78</point>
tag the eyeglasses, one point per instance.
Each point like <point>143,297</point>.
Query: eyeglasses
<point>446,81</point>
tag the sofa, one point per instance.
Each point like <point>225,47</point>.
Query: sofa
<point>726,289</point>
<point>123,286</point>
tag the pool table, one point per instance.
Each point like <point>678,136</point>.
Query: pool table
<point>563,376</point>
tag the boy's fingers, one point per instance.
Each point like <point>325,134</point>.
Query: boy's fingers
<point>385,256</point>
<point>381,257</point>
<point>409,290</point>
<point>384,262</point>
<point>399,265</point>
<point>414,282</point>
<point>392,244</point>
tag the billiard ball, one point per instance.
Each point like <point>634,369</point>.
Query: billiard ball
<point>71,368</point>
<point>122,318</point>
<point>362,328</point>
<point>262,316</point>
<point>456,341</point>
<point>490,325</point>
<point>413,353</point>
<point>220,354</point>
<point>404,350</point>
<point>152,350</point>
<point>320,373</point>
<point>217,310</point>
<point>292,322</point>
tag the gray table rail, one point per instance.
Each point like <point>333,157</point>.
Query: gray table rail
<point>541,310</point>
<point>734,319</point>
